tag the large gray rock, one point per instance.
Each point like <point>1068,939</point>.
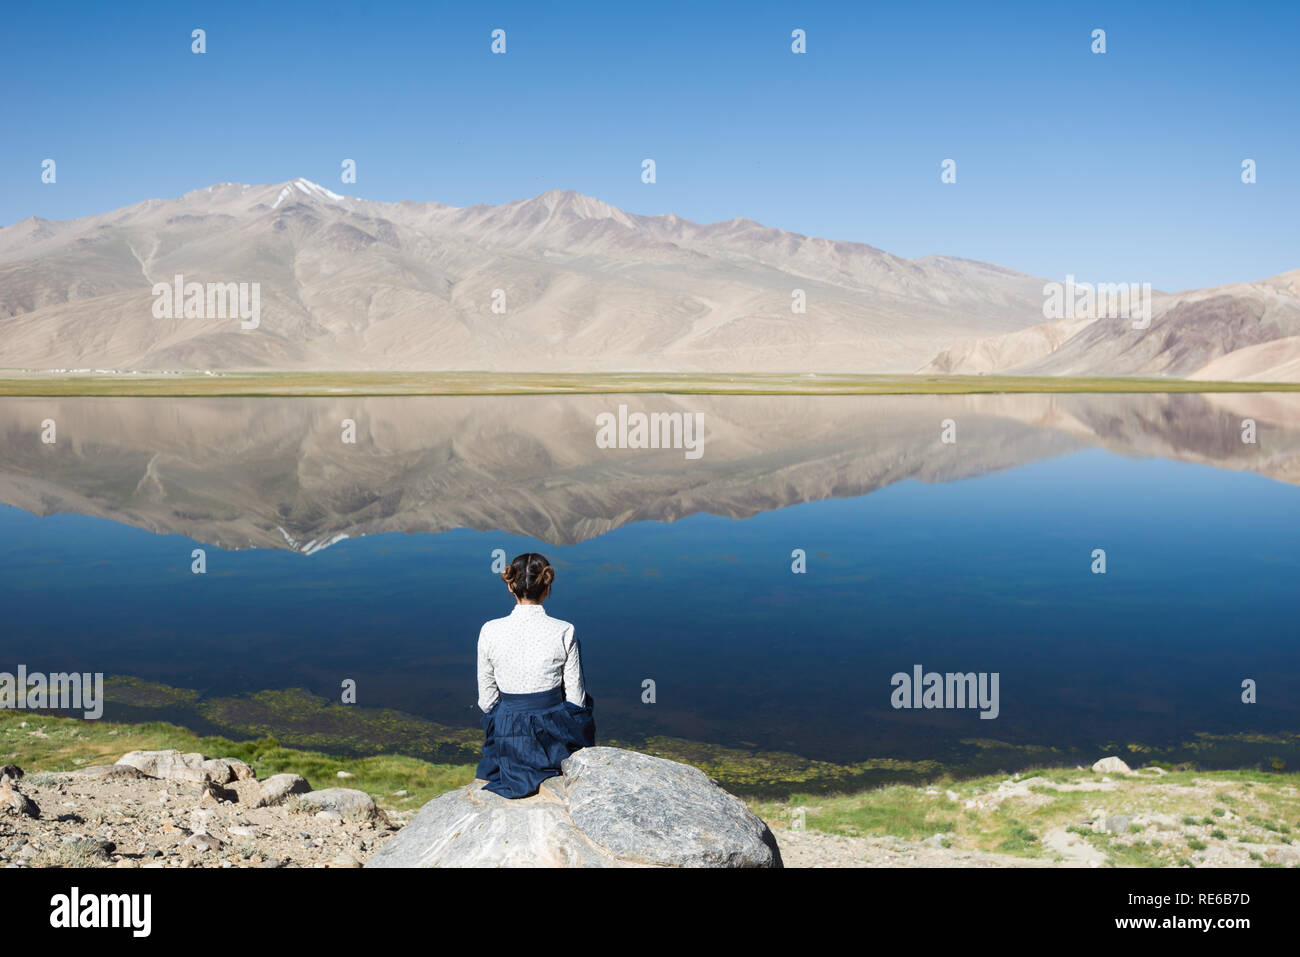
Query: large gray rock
<point>1118,823</point>
<point>1111,765</point>
<point>348,803</point>
<point>113,772</point>
<point>172,765</point>
<point>277,788</point>
<point>239,770</point>
<point>611,808</point>
<point>13,801</point>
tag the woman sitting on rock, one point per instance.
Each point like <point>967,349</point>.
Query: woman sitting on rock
<point>536,710</point>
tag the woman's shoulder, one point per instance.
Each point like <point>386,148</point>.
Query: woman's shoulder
<point>561,627</point>
<point>542,623</point>
<point>493,625</point>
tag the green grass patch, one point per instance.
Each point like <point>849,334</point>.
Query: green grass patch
<point>55,744</point>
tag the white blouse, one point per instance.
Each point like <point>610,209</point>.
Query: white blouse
<point>526,652</point>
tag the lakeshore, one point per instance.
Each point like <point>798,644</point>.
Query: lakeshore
<point>1048,816</point>
<point>184,384</point>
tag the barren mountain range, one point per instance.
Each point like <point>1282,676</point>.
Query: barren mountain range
<point>565,283</point>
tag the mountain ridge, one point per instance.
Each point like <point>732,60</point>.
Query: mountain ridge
<point>563,282</point>
<point>350,283</point>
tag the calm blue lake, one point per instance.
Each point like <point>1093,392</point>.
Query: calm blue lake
<point>973,557</point>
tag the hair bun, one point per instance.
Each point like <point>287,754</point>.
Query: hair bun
<point>510,574</point>
<point>547,576</point>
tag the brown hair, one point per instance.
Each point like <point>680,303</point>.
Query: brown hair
<point>529,576</point>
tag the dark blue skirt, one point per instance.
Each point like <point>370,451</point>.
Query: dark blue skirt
<point>526,736</point>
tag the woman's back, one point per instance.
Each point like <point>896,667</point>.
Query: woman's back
<point>528,651</point>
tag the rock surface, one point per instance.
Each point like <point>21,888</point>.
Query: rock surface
<point>1111,765</point>
<point>117,772</point>
<point>347,803</point>
<point>174,766</point>
<point>610,808</point>
<point>13,801</point>
<point>277,788</point>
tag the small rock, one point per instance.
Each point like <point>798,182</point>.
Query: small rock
<point>239,770</point>
<point>278,787</point>
<point>89,849</point>
<point>1111,765</point>
<point>210,791</point>
<point>346,802</point>
<point>172,765</point>
<point>204,842</point>
<point>113,772</point>
<point>1118,823</point>
<point>13,801</point>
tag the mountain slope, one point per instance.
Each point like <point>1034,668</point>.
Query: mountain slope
<point>347,283</point>
<point>1242,331</point>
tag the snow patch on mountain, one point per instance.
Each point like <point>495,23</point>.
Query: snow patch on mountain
<point>307,188</point>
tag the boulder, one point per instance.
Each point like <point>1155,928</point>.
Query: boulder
<point>13,801</point>
<point>277,788</point>
<point>239,770</point>
<point>172,765</point>
<point>1118,823</point>
<point>216,792</point>
<point>1111,765</point>
<point>609,808</point>
<point>204,841</point>
<point>347,803</point>
<point>113,772</point>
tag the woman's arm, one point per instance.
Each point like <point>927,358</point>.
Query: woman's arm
<point>575,689</point>
<point>487,679</point>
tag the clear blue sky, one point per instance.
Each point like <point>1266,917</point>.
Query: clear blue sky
<point>1116,167</point>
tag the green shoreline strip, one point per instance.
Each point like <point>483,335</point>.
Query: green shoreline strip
<point>325,384</point>
<point>1172,819</point>
<point>420,756</point>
